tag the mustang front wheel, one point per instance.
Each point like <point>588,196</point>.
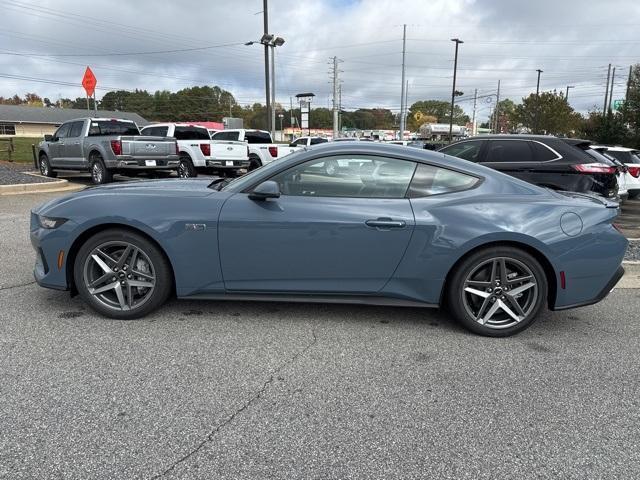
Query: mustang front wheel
<point>497,291</point>
<point>122,274</point>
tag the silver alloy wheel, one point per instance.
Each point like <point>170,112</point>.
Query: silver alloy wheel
<point>119,275</point>
<point>96,172</point>
<point>183,171</point>
<point>44,169</point>
<point>500,292</point>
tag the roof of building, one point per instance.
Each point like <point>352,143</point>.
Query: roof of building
<point>56,116</point>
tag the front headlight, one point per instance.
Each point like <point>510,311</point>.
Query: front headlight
<point>50,222</point>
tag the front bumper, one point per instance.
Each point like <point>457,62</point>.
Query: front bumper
<point>48,243</point>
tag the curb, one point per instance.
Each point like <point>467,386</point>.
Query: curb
<point>60,185</point>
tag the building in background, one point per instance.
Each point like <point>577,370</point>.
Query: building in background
<point>25,121</point>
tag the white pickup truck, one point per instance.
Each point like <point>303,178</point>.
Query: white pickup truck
<point>198,152</point>
<point>262,150</point>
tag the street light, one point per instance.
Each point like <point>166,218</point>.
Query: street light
<point>453,89</point>
<point>535,123</point>
<point>566,96</point>
<point>273,41</point>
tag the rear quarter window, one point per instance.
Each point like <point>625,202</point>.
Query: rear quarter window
<point>430,180</point>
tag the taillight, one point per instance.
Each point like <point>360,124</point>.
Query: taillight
<point>206,149</point>
<point>634,171</point>
<point>594,168</point>
<point>116,146</point>
<point>273,151</point>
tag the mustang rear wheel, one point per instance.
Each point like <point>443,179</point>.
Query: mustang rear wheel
<point>121,274</point>
<point>498,291</point>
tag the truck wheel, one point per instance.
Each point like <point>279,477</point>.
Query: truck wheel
<point>45,167</point>
<point>186,168</point>
<point>99,173</point>
<point>254,162</point>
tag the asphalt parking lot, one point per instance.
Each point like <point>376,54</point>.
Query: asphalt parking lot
<point>269,390</point>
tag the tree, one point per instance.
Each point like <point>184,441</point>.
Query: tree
<point>439,109</point>
<point>631,108</point>
<point>506,116</point>
<point>549,114</point>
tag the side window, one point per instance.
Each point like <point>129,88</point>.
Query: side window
<point>363,177</point>
<point>63,131</point>
<point>75,130</point>
<point>509,151</point>
<point>298,142</point>
<point>316,141</point>
<point>543,153</point>
<point>465,150</point>
<point>430,180</point>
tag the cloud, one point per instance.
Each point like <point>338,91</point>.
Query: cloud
<point>572,41</point>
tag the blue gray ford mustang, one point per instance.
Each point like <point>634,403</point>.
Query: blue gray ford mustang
<point>350,222</point>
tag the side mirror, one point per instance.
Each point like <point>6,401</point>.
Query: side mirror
<point>48,138</point>
<point>268,189</point>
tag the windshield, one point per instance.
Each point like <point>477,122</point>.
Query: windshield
<point>112,127</point>
<point>237,184</point>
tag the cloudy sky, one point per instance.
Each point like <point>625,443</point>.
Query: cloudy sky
<point>45,46</point>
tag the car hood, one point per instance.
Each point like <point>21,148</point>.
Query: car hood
<point>193,187</point>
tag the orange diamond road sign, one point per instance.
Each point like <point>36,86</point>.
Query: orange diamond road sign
<point>89,81</point>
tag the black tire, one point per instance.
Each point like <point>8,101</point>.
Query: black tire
<point>157,263</point>
<point>472,308</point>
<point>99,173</point>
<point>254,162</point>
<point>186,168</point>
<point>45,166</point>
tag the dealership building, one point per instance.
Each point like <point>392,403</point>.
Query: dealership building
<point>24,121</point>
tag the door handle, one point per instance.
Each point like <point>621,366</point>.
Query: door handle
<point>385,223</point>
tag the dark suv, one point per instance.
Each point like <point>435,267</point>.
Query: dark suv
<point>558,163</point>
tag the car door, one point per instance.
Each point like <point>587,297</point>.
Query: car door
<point>56,154</point>
<point>72,149</point>
<point>344,232</point>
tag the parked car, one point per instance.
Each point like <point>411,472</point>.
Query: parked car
<point>557,163</point>
<point>600,155</point>
<point>198,152</point>
<point>308,141</point>
<point>262,150</point>
<point>631,159</point>
<point>104,147</point>
<point>393,226</point>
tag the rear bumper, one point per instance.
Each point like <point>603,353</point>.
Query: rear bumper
<point>603,293</point>
<point>124,162</point>
<point>227,164</point>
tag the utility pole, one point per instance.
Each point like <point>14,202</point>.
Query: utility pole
<point>339,107</point>
<point>335,97</point>
<point>453,89</point>
<point>406,103</point>
<point>626,95</point>
<point>535,122</point>
<point>613,76</point>
<point>606,92</point>
<point>496,112</point>
<point>474,130</point>
<point>402,106</point>
<point>273,91</point>
<point>291,111</point>
<point>265,16</point>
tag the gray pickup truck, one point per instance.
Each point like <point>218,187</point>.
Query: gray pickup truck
<point>104,147</point>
